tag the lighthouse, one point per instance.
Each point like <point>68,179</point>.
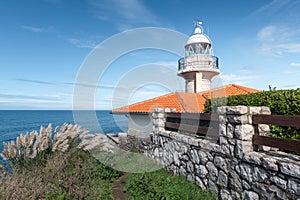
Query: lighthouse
<point>199,65</point>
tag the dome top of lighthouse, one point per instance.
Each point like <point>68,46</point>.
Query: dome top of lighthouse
<point>198,36</point>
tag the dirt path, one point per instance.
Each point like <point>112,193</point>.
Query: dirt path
<point>117,189</point>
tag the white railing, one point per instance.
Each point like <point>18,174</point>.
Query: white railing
<point>198,62</point>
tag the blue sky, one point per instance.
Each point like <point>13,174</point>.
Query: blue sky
<point>44,43</point>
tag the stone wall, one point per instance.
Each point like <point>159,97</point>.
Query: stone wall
<point>229,166</point>
<point>132,141</point>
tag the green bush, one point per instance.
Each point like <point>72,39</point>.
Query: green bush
<point>161,185</point>
<point>280,102</point>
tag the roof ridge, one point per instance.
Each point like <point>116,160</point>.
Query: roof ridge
<point>211,90</point>
<point>185,106</point>
<point>180,100</point>
<point>154,98</point>
<point>147,100</point>
<point>243,87</point>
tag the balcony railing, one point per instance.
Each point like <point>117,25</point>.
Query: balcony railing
<point>198,62</point>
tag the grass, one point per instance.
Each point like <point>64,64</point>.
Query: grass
<point>70,175</point>
<point>76,174</point>
<point>163,186</point>
<point>56,169</point>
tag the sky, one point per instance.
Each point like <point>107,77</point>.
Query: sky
<point>45,44</point>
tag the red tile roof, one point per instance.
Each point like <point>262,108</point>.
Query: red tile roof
<point>228,90</point>
<point>182,101</point>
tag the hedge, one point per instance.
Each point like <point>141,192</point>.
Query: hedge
<point>281,102</point>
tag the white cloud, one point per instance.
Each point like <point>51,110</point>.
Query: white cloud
<point>295,64</point>
<point>124,13</point>
<point>171,64</point>
<point>278,40</point>
<point>272,7</point>
<point>82,43</point>
<point>37,29</point>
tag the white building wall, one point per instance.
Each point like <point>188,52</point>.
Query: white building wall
<point>140,125</point>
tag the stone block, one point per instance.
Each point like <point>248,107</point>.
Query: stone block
<point>231,141</point>
<point>281,183</point>
<point>184,158</point>
<point>242,147</point>
<point>265,110</point>
<point>223,141</point>
<point>160,115</point>
<point>191,178</point>
<point>210,156</point>
<point>167,110</point>
<point>194,156</point>
<point>237,110</point>
<point>259,174</point>
<point>154,115</point>
<point>222,130</point>
<point>202,157</point>
<point>246,172</point>
<point>160,122</point>
<point>212,186</point>
<point>222,179</point>
<point>222,110</point>
<point>263,190</point>
<point>250,195</point>
<point>182,171</point>
<point>263,129</point>
<point>200,183</point>
<point>222,119</point>
<point>234,181</point>
<point>154,122</point>
<point>238,119</point>
<point>184,149</point>
<point>212,147</point>
<point>277,193</point>
<point>176,158</point>
<point>265,148</point>
<point>269,163</point>
<point>225,195</point>
<point>159,110</point>
<point>235,195</point>
<point>290,169</point>
<point>254,110</point>
<point>194,142</point>
<point>201,171</point>
<point>225,150</point>
<point>220,162</point>
<point>213,171</point>
<point>246,185</point>
<point>253,157</point>
<point>294,187</point>
<point>230,130</point>
<point>244,132</point>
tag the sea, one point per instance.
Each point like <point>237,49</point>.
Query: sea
<point>15,122</point>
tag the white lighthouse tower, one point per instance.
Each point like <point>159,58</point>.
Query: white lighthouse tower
<point>199,65</point>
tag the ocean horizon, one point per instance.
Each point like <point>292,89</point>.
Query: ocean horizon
<point>15,122</point>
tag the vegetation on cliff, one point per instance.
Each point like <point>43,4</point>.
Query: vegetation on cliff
<point>52,166</point>
<point>58,165</point>
<point>161,185</point>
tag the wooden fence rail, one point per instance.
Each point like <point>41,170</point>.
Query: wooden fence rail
<point>191,123</point>
<point>280,120</point>
<point>202,123</point>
